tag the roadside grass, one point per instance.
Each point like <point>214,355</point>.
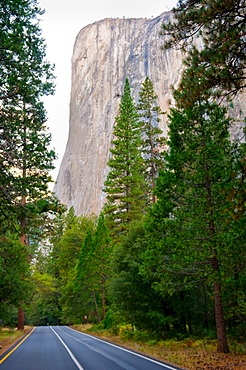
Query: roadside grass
<point>9,337</point>
<point>189,353</point>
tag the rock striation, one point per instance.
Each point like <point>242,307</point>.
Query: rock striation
<point>105,53</point>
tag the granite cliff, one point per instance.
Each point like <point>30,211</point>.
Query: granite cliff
<point>105,53</point>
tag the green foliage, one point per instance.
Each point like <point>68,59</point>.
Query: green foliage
<point>68,237</point>
<point>93,270</point>
<point>44,306</point>
<point>152,145</point>
<point>133,295</point>
<point>198,243</point>
<point>67,246</point>
<point>217,68</point>
<point>79,264</point>
<point>25,156</point>
<point>15,287</point>
<point>125,189</point>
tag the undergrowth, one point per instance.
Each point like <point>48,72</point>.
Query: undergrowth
<point>129,333</point>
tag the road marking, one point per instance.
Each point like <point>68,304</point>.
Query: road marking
<point>68,350</point>
<point>126,350</point>
<point>8,354</point>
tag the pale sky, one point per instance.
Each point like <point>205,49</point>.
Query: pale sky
<point>60,24</point>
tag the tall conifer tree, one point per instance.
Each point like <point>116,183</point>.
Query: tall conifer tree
<point>93,268</point>
<point>124,186</point>
<point>24,146</point>
<point>152,143</point>
<point>25,77</point>
<point>198,241</point>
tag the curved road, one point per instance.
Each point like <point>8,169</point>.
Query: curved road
<point>62,348</point>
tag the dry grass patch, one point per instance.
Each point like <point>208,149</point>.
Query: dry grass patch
<point>188,354</point>
<point>9,337</point>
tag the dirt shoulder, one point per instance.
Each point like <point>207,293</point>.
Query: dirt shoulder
<point>188,354</point>
<point>8,337</point>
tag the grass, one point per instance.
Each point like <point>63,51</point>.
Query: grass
<point>192,354</point>
<point>8,337</point>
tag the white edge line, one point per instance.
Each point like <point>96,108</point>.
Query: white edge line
<point>68,350</point>
<point>126,350</point>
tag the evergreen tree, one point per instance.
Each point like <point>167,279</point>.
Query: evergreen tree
<point>68,244</point>
<point>44,305</point>
<point>68,238</point>
<point>86,284</point>
<point>197,243</point>
<point>15,287</point>
<point>93,268</point>
<point>152,143</point>
<point>25,77</point>
<point>126,197</point>
<point>132,293</point>
<point>102,258</point>
<point>218,67</point>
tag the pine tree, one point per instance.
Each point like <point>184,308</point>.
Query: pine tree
<point>93,268</point>
<point>24,146</point>
<point>68,239</point>
<point>218,67</point>
<point>15,286</point>
<point>126,197</point>
<point>86,284</point>
<point>152,143</point>
<point>102,258</point>
<point>25,77</point>
<point>197,238</point>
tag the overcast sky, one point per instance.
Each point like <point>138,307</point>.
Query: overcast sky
<point>61,23</point>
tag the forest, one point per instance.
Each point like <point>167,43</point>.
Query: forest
<point>166,255</point>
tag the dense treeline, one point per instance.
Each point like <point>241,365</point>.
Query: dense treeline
<point>25,155</point>
<point>167,253</point>
<point>167,266</point>
<point>175,216</point>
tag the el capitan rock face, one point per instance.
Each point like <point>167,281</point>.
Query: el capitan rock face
<point>105,53</point>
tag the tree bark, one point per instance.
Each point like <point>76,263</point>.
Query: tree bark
<point>219,315</point>
<point>103,298</point>
<point>218,306</point>
<point>21,315</point>
<point>20,318</point>
<point>96,306</point>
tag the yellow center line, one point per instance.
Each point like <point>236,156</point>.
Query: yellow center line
<point>8,354</point>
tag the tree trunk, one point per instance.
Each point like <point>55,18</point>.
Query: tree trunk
<point>103,298</point>
<point>96,307</point>
<point>218,306</point>
<point>20,318</point>
<point>219,315</point>
<point>23,241</point>
<point>23,233</point>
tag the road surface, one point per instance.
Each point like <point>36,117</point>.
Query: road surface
<point>62,348</point>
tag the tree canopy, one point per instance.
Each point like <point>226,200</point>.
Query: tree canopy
<point>198,242</point>
<point>217,64</point>
<point>152,146</point>
<point>25,156</point>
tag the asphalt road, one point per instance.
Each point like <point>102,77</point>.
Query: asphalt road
<point>61,348</point>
